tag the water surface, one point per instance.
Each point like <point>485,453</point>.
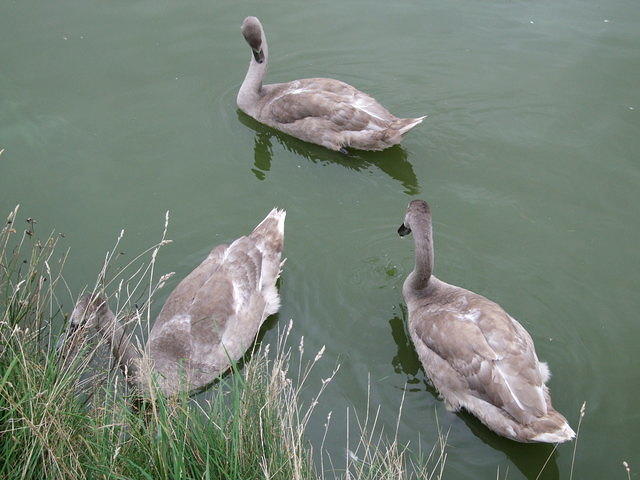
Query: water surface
<point>113,112</point>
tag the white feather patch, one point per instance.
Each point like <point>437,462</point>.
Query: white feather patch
<point>506,382</point>
<point>406,128</point>
<point>279,215</point>
<point>272,300</point>
<point>291,91</point>
<point>363,105</point>
<point>470,316</point>
<point>562,434</point>
<point>544,371</point>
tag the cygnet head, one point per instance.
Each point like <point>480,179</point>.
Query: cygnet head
<point>89,307</point>
<point>417,210</point>
<point>85,315</point>
<point>252,32</point>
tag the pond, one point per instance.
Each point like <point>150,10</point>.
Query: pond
<point>113,112</point>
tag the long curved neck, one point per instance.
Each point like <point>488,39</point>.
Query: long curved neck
<point>423,238</point>
<point>122,349</point>
<point>251,89</point>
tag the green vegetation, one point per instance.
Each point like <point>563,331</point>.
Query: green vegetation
<point>65,412</point>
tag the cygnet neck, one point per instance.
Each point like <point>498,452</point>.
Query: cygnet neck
<point>423,240</point>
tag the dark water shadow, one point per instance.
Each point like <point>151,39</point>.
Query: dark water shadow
<point>529,458</point>
<point>392,161</point>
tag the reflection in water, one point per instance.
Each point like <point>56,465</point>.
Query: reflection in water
<point>393,161</point>
<point>406,359</point>
<point>262,155</point>
<point>528,458</point>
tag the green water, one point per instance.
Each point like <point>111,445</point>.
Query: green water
<point>113,112</point>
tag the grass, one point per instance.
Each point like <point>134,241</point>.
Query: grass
<point>66,413</point>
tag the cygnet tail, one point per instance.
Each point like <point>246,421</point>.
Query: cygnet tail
<point>269,239</point>
<point>406,124</point>
<point>273,223</point>
<point>563,433</point>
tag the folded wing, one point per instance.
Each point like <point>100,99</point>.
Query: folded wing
<point>494,354</point>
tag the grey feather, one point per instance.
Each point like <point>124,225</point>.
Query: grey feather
<point>476,355</point>
<point>209,320</point>
<point>324,111</point>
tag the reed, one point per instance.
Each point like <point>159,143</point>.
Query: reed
<point>65,411</point>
